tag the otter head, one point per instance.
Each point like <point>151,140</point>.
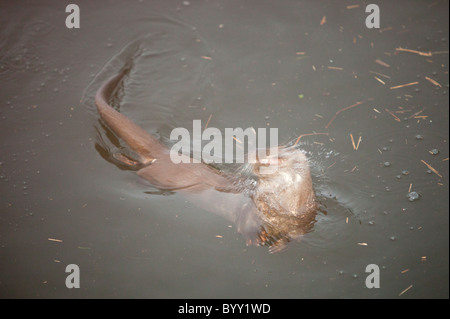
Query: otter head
<point>284,196</point>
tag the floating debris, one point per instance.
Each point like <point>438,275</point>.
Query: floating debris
<point>430,167</point>
<point>434,151</point>
<point>54,239</point>
<point>413,196</point>
<point>393,115</point>
<point>405,290</point>
<point>433,81</point>
<point>345,109</point>
<point>382,63</point>
<point>414,51</point>
<point>403,85</point>
<point>362,244</point>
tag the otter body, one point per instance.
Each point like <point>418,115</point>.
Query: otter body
<point>277,208</point>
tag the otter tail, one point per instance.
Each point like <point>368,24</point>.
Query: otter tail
<point>141,142</point>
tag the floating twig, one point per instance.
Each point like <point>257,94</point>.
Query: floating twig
<point>405,290</point>
<point>433,81</point>
<point>298,138</point>
<point>379,80</point>
<point>355,147</point>
<point>417,113</point>
<point>403,85</point>
<point>395,116</point>
<point>237,140</point>
<point>359,141</point>
<point>353,141</point>
<point>331,165</point>
<point>335,68</point>
<point>431,168</point>
<point>54,239</point>
<point>382,63</point>
<point>344,109</point>
<point>414,51</point>
<point>207,122</point>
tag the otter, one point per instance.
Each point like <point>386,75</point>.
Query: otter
<point>268,209</point>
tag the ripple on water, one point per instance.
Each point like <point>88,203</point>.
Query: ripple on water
<point>336,226</point>
<point>166,74</point>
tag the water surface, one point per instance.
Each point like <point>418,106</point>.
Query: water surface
<point>253,64</point>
